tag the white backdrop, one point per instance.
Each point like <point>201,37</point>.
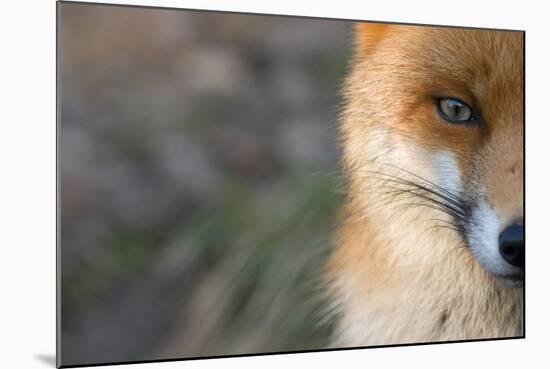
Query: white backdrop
<point>27,196</point>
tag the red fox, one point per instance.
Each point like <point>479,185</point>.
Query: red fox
<point>431,243</point>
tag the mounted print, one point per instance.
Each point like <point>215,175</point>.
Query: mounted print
<point>240,184</point>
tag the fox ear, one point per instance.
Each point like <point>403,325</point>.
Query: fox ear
<point>368,36</point>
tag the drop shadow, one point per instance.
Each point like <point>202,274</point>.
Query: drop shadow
<point>47,359</point>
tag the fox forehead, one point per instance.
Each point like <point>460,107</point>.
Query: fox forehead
<point>400,71</point>
<point>482,67</point>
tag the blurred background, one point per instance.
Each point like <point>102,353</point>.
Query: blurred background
<point>198,167</point>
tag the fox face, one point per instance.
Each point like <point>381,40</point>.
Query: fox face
<point>432,134</point>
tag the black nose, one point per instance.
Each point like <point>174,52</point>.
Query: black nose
<point>512,245</point>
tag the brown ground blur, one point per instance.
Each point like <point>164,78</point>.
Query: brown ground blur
<point>198,178</point>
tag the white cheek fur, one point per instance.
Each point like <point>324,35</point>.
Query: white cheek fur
<point>448,172</point>
<point>483,235</point>
<point>483,231</point>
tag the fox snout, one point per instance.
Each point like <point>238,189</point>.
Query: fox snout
<point>512,245</point>
<point>496,230</point>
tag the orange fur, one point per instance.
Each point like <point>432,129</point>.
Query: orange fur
<point>394,279</point>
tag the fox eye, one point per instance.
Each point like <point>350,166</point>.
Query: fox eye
<point>455,111</point>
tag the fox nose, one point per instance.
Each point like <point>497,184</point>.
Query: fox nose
<point>512,245</point>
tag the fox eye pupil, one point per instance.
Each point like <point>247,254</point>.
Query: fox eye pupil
<point>454,110</point>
